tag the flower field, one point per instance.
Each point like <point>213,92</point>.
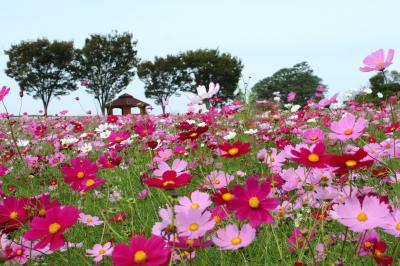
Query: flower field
<point>241,185</point>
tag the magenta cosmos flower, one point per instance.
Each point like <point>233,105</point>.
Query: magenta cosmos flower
<point>50,229</point>
<point>347,128</point>
<point>313,135</point>
<point>142,251</point>
<point>376,61</point>
<point>231,238</point>
<point>367,216</point>
<point>251,202</point>
<point>3,92</point>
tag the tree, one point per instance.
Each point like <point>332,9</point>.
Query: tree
<point>163,78</point>
<point>387,83</point>
<point>204,66</point>
<point>108,62</point>
<point>300,79</point>
<point>42,68</point>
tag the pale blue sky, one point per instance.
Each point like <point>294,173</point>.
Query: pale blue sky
<point>333,36</point>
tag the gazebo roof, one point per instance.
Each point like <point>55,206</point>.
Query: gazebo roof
<point>126,100</point>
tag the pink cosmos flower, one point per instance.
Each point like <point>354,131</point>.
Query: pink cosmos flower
<point>163,155</point>
<point>198,200</point>
<point>166,223</point>
<point>251,202</point>
<point>179,166</point>
<point>313,135</point>
<point>291,96</point>
<point>393,225</point>
<point>376,61</point>
<point>347,128</point>
<point>294,178</point>
<point>218,179</point>
<point>89,220</point>
<point>3,92</point>
<point>194,223</point>
<point>19,252</point>
<point>99,251</point>
<point>358,218</point>
<point>231,238</point>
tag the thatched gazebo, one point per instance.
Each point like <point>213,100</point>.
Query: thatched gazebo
<point>125,102</point>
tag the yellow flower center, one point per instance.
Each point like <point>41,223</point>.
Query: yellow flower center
<point>236,241</point>
<point>217,181</point>
<point>272,159</point>
<point>193,227</point>
<point>379,64</point>
<point>254,202</point>
<point>350,163</point>
<point>194,206</point>
<point>378,253</point>
<point>90,182</point>
<point>54,228</point>
<point>397,226</point>
<point>194,134</point>
<point>89,220</point>
<point>80,174</point>
<point>42,212</point>
<point>362,217</point>
<point>367,245</point>
<point>313,157</point>
<point>348,131</point>
<point>19,252</point>
<point>117,138</point>
<point>140,257</point>
<point>217,219</point>
<point>227,196</point>
<point>190,242</point>
<point>314,138</point>
<point>102,251</point>
<point>233,151</point>
<point>13,215</point>
<point>168,182</point>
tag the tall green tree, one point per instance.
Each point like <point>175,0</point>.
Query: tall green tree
<point>42,68</point>
<point>109,63</point>
<point>163,78</point>
<point>300,78</point>
<point>205,66</point>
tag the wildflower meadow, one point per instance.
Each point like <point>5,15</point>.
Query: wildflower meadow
<point>232,184</point>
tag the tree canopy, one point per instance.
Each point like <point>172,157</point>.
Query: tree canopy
<point>109,63</point>
<point>42,68</point>
<point>163,78</point>
<point>300,78</point>
<point>205,66</point>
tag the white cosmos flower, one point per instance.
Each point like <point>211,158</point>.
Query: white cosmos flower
<point>295,108</point>
<point>230,135</point>
<point>277,99</point>
<point>22,142</point>
<point>87,147</point>
<point>380,95</point>
<point>202,93</point>
<point>251,131</point>
<point>105,134</point>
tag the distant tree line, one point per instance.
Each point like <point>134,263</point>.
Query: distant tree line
<point>106,64</point>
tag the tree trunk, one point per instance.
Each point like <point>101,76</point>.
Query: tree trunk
<point>163,108</point>
<point>45,107</point>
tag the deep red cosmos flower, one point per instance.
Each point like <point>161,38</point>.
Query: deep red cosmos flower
<point>42,203</point>
<point>169,180</point>
<point>119,217</point>
<point>79,170</point>
<point>112,119</point>
<point>314,158</point>
<point>142,251</point>
<point>251,202</point>
<point>348,161</point>
<point>144,128</point>
<point>193,134</point>
<point>51,228</point>
<point>379,254</point>
<point>13,213</point>
<point>109,160</point>
<point>236,149</point>
<point>223,196</point>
